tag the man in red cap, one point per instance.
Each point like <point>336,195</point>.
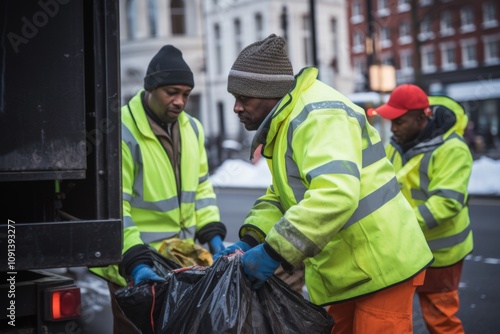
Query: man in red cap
<point>433,165</point>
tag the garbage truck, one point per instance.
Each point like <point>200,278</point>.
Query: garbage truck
<point>60,176</point>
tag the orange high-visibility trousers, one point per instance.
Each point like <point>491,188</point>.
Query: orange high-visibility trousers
<point>439,299</point>
<point>439,312</point>
<point>384,312</point>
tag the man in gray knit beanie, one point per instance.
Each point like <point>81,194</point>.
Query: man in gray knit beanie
<point>334,204</point>
<point>262,70</point>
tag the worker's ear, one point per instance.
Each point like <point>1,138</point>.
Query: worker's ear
<point>428,112</point>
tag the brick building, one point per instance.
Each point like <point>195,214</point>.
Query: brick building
<point>449,47</point>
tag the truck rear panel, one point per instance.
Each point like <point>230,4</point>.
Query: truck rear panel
<point>60,173</point>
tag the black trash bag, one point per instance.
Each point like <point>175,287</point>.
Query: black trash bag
<point>178,291</point>
<point>217,303</point>
<point>287,311</point>
<point>143,304</point>
<point>222,302</point>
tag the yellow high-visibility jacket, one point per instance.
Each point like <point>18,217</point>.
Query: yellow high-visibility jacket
<point>334,202</point>
<point>153,210</point>
<point>434,177</point>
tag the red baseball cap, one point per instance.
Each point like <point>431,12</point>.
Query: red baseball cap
<point>403,98</point>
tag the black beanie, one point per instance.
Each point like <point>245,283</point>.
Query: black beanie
<point>168,68</point>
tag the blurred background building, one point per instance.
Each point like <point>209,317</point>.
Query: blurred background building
<point>449,47</point>
<point>211,33</point>
<point>318,39</point>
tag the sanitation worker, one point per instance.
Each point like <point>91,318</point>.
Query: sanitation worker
<point>166,189</point>
<point>334,203</point>
<point>433,165</point>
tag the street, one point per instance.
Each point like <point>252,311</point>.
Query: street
<point>480,283</point>
<point>479,287</point>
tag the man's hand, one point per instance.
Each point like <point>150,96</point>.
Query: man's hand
<point>258,266</point>
<point>216,245</point>
<point>143,272</point>
<point>243,246</point>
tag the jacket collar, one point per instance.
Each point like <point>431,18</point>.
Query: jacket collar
<point>268,129</point>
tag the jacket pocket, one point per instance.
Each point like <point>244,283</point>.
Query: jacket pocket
<point>337,268</point>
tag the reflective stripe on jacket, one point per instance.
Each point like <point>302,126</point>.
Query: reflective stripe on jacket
<point>434,177</point>
<point>334,203</point>
<point>152,208</point>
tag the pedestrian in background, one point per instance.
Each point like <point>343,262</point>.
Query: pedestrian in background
<point>433,166</point>
<point>166,190</point>
<point>334,204</point>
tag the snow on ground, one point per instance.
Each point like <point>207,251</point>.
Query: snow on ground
<point>485,177</point>
<point>238,173</point>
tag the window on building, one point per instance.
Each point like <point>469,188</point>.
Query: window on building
<point>306,40</point>
<point>491,49</point>
<point>467,19</point>
<point>356,8</point>
<point>193,106</point>
<point>360,74</point>
<point>448,61</point>
<point>383,8</point>
<point>446,24</point>
<point>152,11</point>
<point>428,56</point>
<point>469,52</point>
<point>489,14</point>
<point>404,33</point>
<point>218,49</point>
<point>403,5</point>
<point>358,42</point>
<point>177,14</point>
<point>335,44</point>
<point>259,27</point>
<point>426,29</point>
<point>385,37</point>
<point>357,12</point>
<point>487,123</point>
<point>131,8</point>
<point>238,44</point>
<point>360,65</point>
<point>222,122</point>
<point>406,61</point>
<point>387,59</point>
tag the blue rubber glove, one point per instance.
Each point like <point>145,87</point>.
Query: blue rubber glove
<point>243,246</point>
<point>143,272</point>
<point>258,266</point>
<point>216,245</point>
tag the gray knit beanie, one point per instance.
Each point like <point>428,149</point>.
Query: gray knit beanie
<point>262,70</point>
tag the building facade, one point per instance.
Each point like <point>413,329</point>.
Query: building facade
<point>449,47</point>
<point>147,25</point>
<point>230,25</point>
<point>211,33</point>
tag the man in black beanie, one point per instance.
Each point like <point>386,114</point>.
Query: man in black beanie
<point>334,203</point>
<point>166,189</point>
<point>168,68</point>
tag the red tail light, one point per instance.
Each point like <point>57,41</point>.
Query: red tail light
<point>65,303</point>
